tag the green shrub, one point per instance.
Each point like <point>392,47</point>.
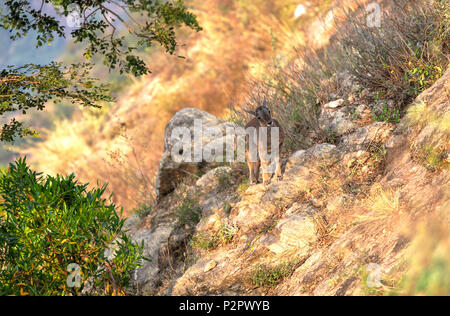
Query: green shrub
<point>143,210</point>
<point>189,212</point>
<point>224,178</point>
<point>227,232</point>
<point>270,277</point>
<point>224,236</point>
<point>204,242</point>
<point>431,157</point>
<point>386,114</point>
<point>242,188</point>
<point>52,227</point>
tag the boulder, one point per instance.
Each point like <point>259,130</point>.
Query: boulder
<point>172,170</point>
<point>365,136</point>
<point>334,104</point>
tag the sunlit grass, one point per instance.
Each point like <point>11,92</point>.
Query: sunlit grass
<point>384,201</point>
<point>419,115</point>
<point>429,261</point>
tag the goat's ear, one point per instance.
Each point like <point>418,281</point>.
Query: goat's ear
<point>250,112</point>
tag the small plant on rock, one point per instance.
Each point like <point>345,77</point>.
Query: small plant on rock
<point>189,212</point>
<point>270,277</point>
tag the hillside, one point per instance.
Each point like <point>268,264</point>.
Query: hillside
<point>362,216</point>
<point>363,204</point>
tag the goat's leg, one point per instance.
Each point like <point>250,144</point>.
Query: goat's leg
<point>257,167</point>
<point>267,175</point>
<point>251,172</point>
<point>278,169</point>
<point>253,168</point>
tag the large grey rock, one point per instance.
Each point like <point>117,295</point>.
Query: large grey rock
<point>171,171</point>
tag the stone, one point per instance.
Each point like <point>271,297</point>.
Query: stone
<point>336,203</point>
<point>366,135</point>
<point>210,265</point>
<point>323,153</point>
<point>171,171</point>
<point>297,233</point>
<point>211,178</point>
<point>152,244</point>
<point>334,104</point>
<point>338,122</point>
<point>348,81</point>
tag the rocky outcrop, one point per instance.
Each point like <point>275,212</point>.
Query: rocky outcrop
<point>277,223</point>
<point>338,212</point>
<point>170,171</point>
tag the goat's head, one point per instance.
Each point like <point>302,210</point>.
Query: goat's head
<point>263,114</point>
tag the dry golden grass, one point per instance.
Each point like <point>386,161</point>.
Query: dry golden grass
<point>384,201</point>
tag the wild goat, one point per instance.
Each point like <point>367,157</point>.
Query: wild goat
<point>259,150</point>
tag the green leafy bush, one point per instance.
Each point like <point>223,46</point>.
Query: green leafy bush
<point>204,242</point>
<point>386,114</point>
<point>51,228</point>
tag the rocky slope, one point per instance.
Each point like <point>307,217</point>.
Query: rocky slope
<point>340,222</point>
